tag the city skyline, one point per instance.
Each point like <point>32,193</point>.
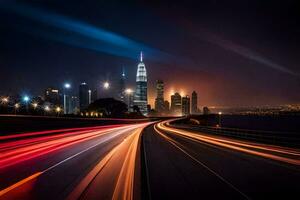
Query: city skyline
<point>149,100</point>
<point>255,66</point>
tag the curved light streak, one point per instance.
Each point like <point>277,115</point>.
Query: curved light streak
<point>291,156</point>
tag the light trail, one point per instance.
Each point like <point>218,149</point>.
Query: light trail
<point>19,183</point>
<point>267,151</point>
<point>40,133</point>
<point>22,153</point>
<point>124,186</point>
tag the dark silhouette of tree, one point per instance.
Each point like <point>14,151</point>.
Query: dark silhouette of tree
<point>109,107</point>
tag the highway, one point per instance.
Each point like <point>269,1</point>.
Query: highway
<point>78,163</point>
<point>182,164</point>
<point>147,160</point>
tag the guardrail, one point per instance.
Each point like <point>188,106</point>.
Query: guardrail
<point>290,139</point>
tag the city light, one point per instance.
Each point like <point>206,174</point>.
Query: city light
<point>47,108</point>
<point>4,100</point>
<point>67,85</point>
<point>128,91</point>
<point>26,98</point>
<point>220,113</point>
<point>58,109</point>
<point>106,85</point>
<point>34,105</point>
<point>17,105</point>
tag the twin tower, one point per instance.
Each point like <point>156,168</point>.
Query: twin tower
<point>140,97</point>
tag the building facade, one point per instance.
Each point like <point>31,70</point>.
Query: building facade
<point>52,96</point>
<point>176,104</point>
<point>194,107</point>
<point>84,96</point>
<point>140,97</point>
<point>159,100</point>
<point>186,106</point>
<point>167,107</point>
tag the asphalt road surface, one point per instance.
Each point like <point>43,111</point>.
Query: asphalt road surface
<point>189,165</point>
<point>143,161</point>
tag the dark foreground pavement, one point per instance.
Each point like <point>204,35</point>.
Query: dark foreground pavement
<point>180,168</point>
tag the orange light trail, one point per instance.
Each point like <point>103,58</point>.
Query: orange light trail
<point>19,183</point>
<point>132,139</point>
<point>123,187</point>
<point>277,153</point>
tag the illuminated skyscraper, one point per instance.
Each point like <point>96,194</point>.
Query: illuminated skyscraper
<point>140,98</point>
<point>194,103</point>
<point>186,105</point>
<point>176,104</point>
<point>159,101</point>
<point>52,96</point>
<point>83,96</point>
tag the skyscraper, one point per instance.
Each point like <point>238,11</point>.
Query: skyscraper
<point>176,104</point>
<point>52,96</point>
<point>83,96</point>
<point>140,98</point>
<point>194,103</point>
<point>94,95</point>
<point>186,105</point>
<point>159,101</point>
<point>129,99</point>
<point>166,107</point>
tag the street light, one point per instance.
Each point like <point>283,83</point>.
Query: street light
<point>26,98</point>
<point>16,107</point>
<point>4,100</point>
<point>66,87</point>
<point>106,85</point>
<point>219,113</point>
<point>128,91</point>
<point>47,108</point>
<point>58,109</point>
<point>34,105</point>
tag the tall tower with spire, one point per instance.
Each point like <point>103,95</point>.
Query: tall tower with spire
<point>140,98</point>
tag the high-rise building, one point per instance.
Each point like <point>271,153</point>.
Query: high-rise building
<point>129,99</point>
<point>73,105</point>
<point>122,85</point>
<point>159,101</point>
<point>83,96</point>
<point>166,106</point>
<point>140,98</point>
<point>94,95</point>
<point>176,104</point>
<point>186,105</point>
<point>194,103</point>
<point>52,96</point>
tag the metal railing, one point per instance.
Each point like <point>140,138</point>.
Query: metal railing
<point>291,139</point>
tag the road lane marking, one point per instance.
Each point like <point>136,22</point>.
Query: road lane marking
<point>176,144</point>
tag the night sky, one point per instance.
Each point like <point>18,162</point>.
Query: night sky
<point>233,53</point>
